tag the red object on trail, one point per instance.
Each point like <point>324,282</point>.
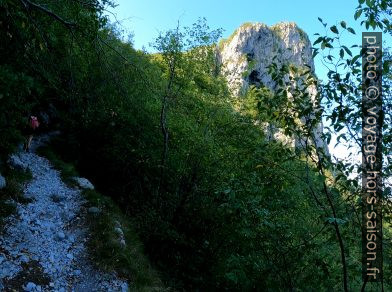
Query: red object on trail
<point>34,122</point>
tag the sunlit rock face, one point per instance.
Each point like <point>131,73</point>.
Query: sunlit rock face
<point>246,55</point>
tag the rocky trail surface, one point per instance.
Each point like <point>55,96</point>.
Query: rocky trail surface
<point>43,246</point>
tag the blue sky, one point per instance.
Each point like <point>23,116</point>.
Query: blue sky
<point>146,18</point>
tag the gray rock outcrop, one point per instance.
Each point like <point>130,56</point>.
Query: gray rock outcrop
<point>84,183</point>
<point>246,55</point>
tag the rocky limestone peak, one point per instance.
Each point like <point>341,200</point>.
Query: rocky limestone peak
<point>254,45</point>
<point>246,55</point>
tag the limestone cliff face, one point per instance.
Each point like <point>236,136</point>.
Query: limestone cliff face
<point>257,44</point>
<point>247,54</point>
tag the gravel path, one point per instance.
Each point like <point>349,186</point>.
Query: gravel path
<point>43,246</point>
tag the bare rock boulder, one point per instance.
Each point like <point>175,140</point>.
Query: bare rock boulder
<point>84,183</point>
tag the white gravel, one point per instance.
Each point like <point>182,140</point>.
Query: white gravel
<point>45,230</point>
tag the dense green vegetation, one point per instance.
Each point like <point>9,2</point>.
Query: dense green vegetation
<point>217,205</point>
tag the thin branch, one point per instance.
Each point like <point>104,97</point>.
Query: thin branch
<point>28,3</point>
